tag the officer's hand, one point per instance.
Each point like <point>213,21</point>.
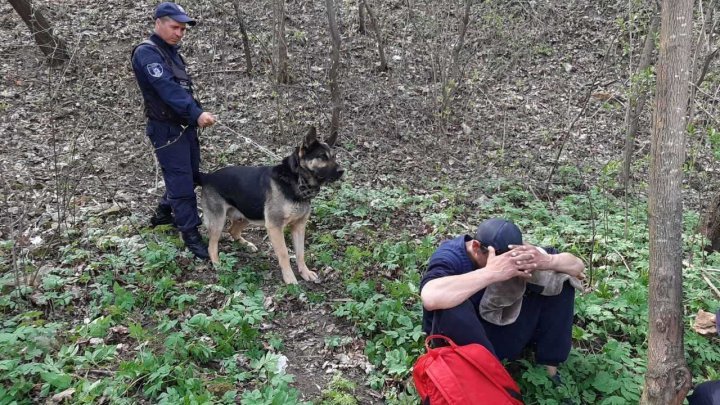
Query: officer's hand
<point>206,119</point>
<point>506,266</point>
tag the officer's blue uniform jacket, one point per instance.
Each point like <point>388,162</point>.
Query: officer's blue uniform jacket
<point>160,85</point>
<point>172,114</point>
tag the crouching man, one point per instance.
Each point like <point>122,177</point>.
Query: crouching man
<point>493,290</point>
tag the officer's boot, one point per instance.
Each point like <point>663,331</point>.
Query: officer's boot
<point>194,243</point>
<point>162,216</point>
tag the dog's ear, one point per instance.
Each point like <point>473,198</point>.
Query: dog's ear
<point>331,141</point>
<point>310,137</point>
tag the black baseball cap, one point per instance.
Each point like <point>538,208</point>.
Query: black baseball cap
<point>498,233</point>
<point>174,11</point>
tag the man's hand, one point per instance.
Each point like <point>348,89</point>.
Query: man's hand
<point>538,259</point>
<point>508,265</point>
<point>206,119</point>
<point>535,258</point>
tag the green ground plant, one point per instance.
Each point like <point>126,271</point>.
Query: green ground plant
<point>607,362</point>
<point>141,335</point>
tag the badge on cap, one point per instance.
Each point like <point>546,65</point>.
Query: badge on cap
<point>155,69</point>
<point>182,10</point>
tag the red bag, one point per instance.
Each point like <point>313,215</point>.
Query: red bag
<point>463,375</point>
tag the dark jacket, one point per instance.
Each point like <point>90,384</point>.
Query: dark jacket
<point>166,88</point>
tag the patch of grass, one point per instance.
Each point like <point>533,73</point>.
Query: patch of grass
<point>340,391</point>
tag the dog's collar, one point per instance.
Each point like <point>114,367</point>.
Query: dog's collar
<point>306,191</point>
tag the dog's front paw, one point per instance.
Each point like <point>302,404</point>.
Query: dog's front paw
<point>251,246</point>
<point>308,275</point>
<point>289,279</point>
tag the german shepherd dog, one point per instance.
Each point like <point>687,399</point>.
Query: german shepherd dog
<point>273,196</point>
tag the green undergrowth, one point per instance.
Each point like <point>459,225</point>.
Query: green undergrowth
<point>117,323</point>
<point>386,236</point>
<point>123,317</point>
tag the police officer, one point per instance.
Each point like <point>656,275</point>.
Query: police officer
<point>173,116</point>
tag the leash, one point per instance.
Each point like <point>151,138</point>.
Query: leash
<point>249,141</point>
<point>177,138</point>
<point>245,138</point>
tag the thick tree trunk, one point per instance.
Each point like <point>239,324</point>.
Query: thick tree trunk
<point>281,73</point>
<point>668,378</point>
<point>50,45</point>
<point>335,92</point>
<point>245,38</point>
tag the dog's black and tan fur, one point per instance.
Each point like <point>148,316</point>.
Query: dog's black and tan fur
<point>273,196</point>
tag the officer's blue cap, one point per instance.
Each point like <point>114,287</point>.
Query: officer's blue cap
<point>498,233</point>
<point>174,11</point>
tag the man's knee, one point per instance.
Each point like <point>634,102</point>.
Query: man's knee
<point>461,324</point>
<point>563,302</point>
<point>554,332</point>
<point>179,182</point>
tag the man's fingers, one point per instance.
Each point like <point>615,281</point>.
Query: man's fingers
<point>206,119</point>
<point>491,251</point>
<point>524,257</point>
<point>524,274</point>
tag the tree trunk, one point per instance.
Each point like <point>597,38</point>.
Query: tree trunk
<point>455,67</point>
<point>452,80</point>
<point>245,39</point>
<point>281,74</point>
<point>668,378</point>
<point>334,70</point>
<point>707,33</point>
<point>378,36</point>
<point>361,18</point>
<point>636,101</point>
<point>710,225</point>
<point>51,46</point>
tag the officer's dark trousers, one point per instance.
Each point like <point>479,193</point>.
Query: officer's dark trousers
<point>545,323</point>
<point>178,152</point>
<point>707,393</point>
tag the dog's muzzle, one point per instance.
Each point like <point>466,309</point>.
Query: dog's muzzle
<point>329,176</point>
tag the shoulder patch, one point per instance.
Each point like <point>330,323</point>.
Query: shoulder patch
<point>155,69</point>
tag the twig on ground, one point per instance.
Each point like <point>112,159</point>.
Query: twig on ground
<point>621,258</point>
<point>709,283</point>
